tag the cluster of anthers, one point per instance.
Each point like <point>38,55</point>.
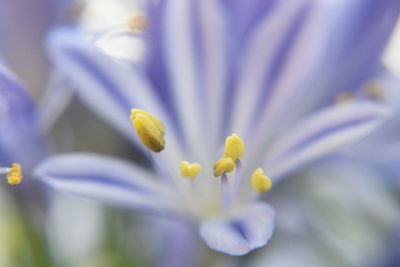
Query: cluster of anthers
<point>14,173</point>
<point>151,132</point>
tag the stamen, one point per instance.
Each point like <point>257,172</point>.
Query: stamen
<point>161,168</point>
<point>222,166</point>
<point>234,147</point>
<point>14,176</point>
<point>260,182</point>
<point>344,98</point>
<point>373,90</point>
<point>226,195</point>
<point>189,170</point>
<point>138,22</point>
<point>149,129</point>
<point>238,176</point>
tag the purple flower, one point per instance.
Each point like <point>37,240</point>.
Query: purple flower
<point>267,70</point>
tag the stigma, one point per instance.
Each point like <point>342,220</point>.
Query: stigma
<point>149,129</point>
<point>189,170</point>
<point>260,182</point>
<point>234,147</point>
<point>14,173</point>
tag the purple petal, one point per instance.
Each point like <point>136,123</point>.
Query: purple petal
<point>322,133</point>
<point>272,68</point>
<point>105,179</point>
<point>239,235</point>
<point>189,62</point>
<point>347,66</point>
<point>250,12</point>
<point>20,137</point>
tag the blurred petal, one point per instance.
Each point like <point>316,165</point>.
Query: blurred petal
<point>273,68</point>
<point>385,141</point>
<point>322,133</point>
<point>85,232</point>
<point>20,137</point>
<point>301,255</point>
<point>105,179</point>
<point>250,12</point>
<point>53,103</point>
<point>372,24</point>
<point>22,27</point>
<point>360,28</point>
<point>239,235</point>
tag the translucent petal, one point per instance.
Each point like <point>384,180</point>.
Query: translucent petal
<point>239,235</point>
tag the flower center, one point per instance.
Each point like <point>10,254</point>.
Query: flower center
<point>150,131</point>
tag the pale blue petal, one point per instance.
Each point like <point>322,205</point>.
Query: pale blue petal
<point>273,68</point>
<point>20,137</point>
<point>346,66</point>
<point>323,57</point>
<point>321,134</point>
<point>250,12</point>
<point>54,101</point>
<point>182,57</point>
<point>105,179</point>
<point>382,147</point>
<point>239,235</point>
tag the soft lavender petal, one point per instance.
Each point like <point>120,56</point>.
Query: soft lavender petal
<point>183,70</point>
<point>20,137</point>
<point>272,68</point>
<point>357,28</point>
<point>321,134</point>
<point>55,100</point>
<point>372,22</point>
<point>105,179</point>
<point>246,15</point>
<point>239,235</point>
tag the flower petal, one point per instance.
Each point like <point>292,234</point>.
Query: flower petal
<point>272,68</point>
<point>372,24</point>
<point>322,133</point>
<point>20,137</point>
<point>54,101</point>
<point>241,234</point>
<point>194,37</point>
<point>325,55</point>
<point>105,179</point>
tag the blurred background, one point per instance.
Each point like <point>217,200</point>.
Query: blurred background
<point>321,222</point>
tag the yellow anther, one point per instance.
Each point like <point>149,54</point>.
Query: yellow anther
<point>189,170</point>
<point>223,165</point>
<point>138,22</point>
<point>234,147</point>
<point>149,129</point>
<point>14,176</point>
<point>260,182</point>
<point>344,97</point>
<point>373,90</point>
<point>156,121</point>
